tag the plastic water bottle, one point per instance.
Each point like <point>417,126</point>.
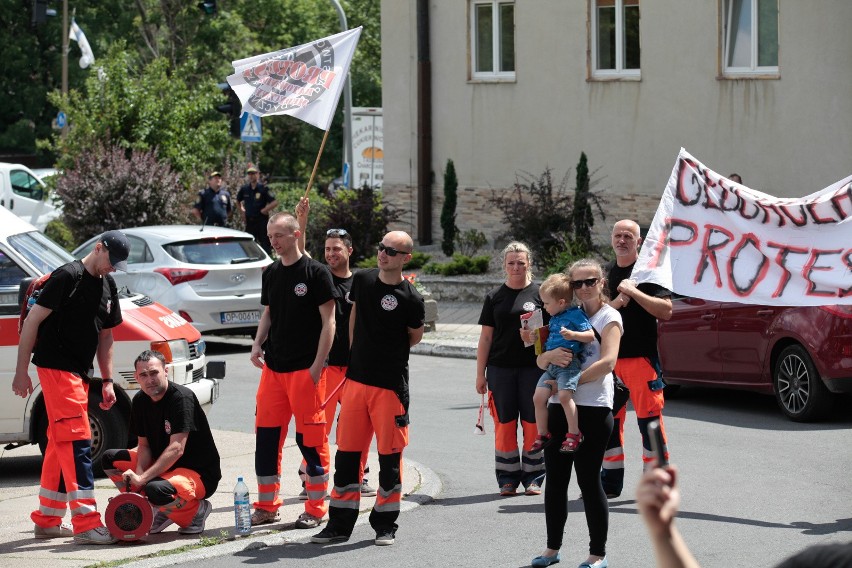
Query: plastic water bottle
<point>242,508</point>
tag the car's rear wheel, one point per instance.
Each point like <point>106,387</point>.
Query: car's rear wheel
<point>109,429</point>
<point>798,387</point>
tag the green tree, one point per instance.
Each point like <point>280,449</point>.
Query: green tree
<point>583,218</point>
<point>139,107</point>
<point>448,211</point>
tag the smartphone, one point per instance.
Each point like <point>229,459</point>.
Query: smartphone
<point>655,434</point>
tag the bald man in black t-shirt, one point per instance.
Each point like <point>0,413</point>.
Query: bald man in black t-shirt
<point>387,320</point>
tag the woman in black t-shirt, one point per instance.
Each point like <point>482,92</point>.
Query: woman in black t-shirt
<point>508,372</point>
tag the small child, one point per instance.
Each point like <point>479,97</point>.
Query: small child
<point>569,327</point>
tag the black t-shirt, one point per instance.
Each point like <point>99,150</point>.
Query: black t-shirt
<point>254,199</point>
<point>640,327</point>
<point>339,354</point>
<point>383,315</point>
<point>68,337</point>
<point>502,310</point>
<point>178,411</point>
<point>294,294</point>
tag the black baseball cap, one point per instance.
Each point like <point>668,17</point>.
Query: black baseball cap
<point>118,248</point>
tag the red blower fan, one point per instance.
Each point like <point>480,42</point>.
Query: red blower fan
<point>128,515</point>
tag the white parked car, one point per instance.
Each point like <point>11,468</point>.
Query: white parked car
<point>210,276</point>
<point>25,254</point>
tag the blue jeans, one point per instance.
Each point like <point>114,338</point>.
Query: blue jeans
<point>566,377</point>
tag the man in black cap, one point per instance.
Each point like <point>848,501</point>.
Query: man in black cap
<point>72,320</point>
<point>214,202</point>
<point>256,202</point>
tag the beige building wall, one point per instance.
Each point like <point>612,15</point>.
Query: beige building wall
<point>788,136</point>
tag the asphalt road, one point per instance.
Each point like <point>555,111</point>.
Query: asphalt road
<point>757,487</point>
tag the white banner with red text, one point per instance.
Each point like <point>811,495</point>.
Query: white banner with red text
<point>303,81</point>
<point>719,240</point>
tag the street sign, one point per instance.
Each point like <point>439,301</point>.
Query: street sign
<point>60,119</point>
<point>250,128</point>
<point>346,175</point>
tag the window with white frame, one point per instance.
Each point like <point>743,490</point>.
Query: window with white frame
<point>615,38</point>
<point>751,37</point>
<point>492,39</point>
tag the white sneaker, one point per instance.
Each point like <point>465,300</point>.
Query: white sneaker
<point>97,535</point>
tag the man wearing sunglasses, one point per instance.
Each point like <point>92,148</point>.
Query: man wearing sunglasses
<point>387,320</point>
<point>638,364</point>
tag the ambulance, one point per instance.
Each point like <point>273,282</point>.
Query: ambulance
<point>25,254</point>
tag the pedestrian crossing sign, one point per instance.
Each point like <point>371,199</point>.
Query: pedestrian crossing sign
<point>250,128</point>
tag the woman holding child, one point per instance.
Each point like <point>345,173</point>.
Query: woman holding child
<point>507,371</point>
<point>593,398</point>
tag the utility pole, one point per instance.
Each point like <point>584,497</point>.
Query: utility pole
<point>65,47</point>
<point>347,99</point>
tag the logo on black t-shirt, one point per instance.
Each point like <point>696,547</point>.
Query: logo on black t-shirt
<point>529,306</point>
<point>109,306</point>
<point>168,426</point>
<point>346,297</point>
<point>301,289</point>
<point>389,303</point>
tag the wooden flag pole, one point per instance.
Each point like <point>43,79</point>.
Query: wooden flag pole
<point>316,163</point>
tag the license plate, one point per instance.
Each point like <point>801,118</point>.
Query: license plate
<point>235,318</point>
<point>214,392</point>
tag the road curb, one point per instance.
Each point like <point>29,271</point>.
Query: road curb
<point>425,491</point>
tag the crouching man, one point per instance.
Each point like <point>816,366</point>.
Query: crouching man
<point>176,463</point>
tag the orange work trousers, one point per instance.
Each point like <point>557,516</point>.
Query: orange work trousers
<point>177,493</point>
<point>280,397</point>
<point>334,377</point>
<point>365,409</point>
<point>66,472</point>
<point>644,379</point>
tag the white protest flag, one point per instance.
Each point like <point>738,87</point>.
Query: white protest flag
<point>719,240</point>
<point>303,81</point>
<point>76,34</point>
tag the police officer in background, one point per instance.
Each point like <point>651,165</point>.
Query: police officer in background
<point>214,202</point>
<point>256,202</point>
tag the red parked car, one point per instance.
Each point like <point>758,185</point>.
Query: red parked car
<point>801,354</point>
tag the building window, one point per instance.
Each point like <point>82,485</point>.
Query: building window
<point>493,39</point>
<point>615,38</point>
<point>751,37</point>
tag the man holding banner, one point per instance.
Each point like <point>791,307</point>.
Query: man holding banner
<point>637,365</point>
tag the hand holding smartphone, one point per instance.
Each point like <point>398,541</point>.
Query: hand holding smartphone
<point>655,434</point>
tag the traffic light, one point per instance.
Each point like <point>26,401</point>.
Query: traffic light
<point>41,12</point>
<point>208,7</point>
<point>233,108</point>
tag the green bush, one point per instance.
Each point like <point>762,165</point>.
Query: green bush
<point>575,250</point>
<point>540,212</point>
<point>360,212</point>
<point>460,264</point>
<point>418,260</point>
<point>471,241</point>
<point>59,232</point>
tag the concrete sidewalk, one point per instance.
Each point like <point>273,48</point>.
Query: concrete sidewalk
<point>19,472</point>
<point>456,332</point>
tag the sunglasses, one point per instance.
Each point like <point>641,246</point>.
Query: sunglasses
<point>336,233</point>
<point>390,251</point>
<point>590,282</point>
